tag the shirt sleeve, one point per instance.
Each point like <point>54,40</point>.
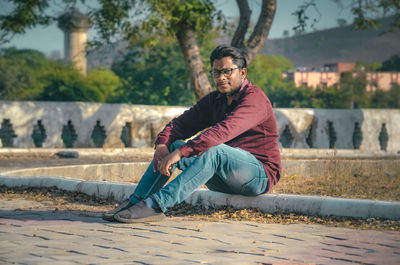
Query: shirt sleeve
<point>251,111</point>
<point>188,124</point>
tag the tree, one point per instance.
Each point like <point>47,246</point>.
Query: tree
<point>368,66</point>
<point>392,64</point>
<point>341,22</point>
<point>266,71</point>
<point>105,82</point>
<point>289,96</point>
<point>354,90</point>
<point>67,84</point>
<point>285,33</point>
<point>366,14</point>
<point>333,97</point>
<point>186,20</point>
<point>28,75</point>
<point>20,71</point>
<point>386,99</point>
<point>155,76</point>
<point>394,96</point>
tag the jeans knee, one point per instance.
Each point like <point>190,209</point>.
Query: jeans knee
<point>216,153</point>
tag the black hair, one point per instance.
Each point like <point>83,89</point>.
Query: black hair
<point>238,55</point>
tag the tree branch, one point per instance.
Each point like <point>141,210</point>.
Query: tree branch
<point>261,30</point>
<point>244,21</point>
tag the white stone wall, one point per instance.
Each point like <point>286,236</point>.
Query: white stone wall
<point>147,121</point>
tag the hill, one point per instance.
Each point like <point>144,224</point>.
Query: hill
<point>341,44</point>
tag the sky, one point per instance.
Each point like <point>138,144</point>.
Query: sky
<point>50,39</point>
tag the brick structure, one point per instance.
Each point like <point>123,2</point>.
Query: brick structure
<point>331,73</point>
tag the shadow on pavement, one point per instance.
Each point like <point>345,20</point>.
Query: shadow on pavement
<point>8,216</point>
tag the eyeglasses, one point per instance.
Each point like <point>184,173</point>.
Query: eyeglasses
<point>226,72</point>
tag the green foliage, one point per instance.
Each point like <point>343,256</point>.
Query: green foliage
<point>20,71</point>
<point>368,66</point>
<point>266,71</point>
<point>354,90</point>
<point>25,14</point>
<point>392,64</point>
<point>387,99</point>
<point>105,83</point>
<point>341,22</point>
<point>332,97</point>
<point>67,84</point>
<point>366,14</point>
<point>349,94</point>
<point>289,96</point>
<point>151,20</point>
<point>154,76</point>
<point>168,15</point>
<point>394,96</point>
<point>29,75</point>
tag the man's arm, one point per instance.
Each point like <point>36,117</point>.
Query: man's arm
<point>188,124</point>
<point>250,112</point>
<point>165,164</point>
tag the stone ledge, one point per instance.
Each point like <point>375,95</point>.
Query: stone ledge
<point>132,171</point>
<point>147,153</point>
<point>272,203</point>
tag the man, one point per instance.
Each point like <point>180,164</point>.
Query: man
<point>236,152</point>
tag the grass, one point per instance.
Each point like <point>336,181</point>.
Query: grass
<point>363,186</point>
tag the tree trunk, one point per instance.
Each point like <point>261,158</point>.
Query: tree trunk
<point>244,21</point>
<point>261,30</point>
<point>191,53</point>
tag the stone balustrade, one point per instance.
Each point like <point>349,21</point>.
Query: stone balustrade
<point>28,124</point>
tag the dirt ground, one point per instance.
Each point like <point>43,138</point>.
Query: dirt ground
<point>361,186</point>
<point>383,188</point>
<point>70,201</point>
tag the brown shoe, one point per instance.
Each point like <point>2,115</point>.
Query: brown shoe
<point>109,216</point>
<point>139,213</point>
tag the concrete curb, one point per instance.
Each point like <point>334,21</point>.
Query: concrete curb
<point>302,204</point>
<point>272,203</point>
<point>99,189</point>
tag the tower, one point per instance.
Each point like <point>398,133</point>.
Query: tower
<point>75,26</point>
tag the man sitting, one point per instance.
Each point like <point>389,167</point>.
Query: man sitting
<point>237,153</point>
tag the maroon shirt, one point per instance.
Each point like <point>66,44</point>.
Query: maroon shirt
<point>248,123</point>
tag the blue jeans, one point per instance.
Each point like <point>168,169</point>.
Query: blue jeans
<point>221,168</point>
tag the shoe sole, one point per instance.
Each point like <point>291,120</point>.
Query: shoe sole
<point>154,218</point>
<point>110,217</point>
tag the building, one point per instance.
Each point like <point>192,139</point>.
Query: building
<point>382,80</point>
<point>313,79</point>
<point>340,67</point>
<point>330,75</point>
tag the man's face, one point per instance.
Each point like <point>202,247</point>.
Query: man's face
<point>230,80</point>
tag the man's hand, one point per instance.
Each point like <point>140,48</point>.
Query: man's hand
<point>161,152</point>
<point>165,165</point>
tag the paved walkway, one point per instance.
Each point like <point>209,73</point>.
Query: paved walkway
<point>33,234</point>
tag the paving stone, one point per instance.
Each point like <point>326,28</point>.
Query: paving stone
<point>45,236</point>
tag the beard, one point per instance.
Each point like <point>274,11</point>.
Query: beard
<point>234,90</point>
